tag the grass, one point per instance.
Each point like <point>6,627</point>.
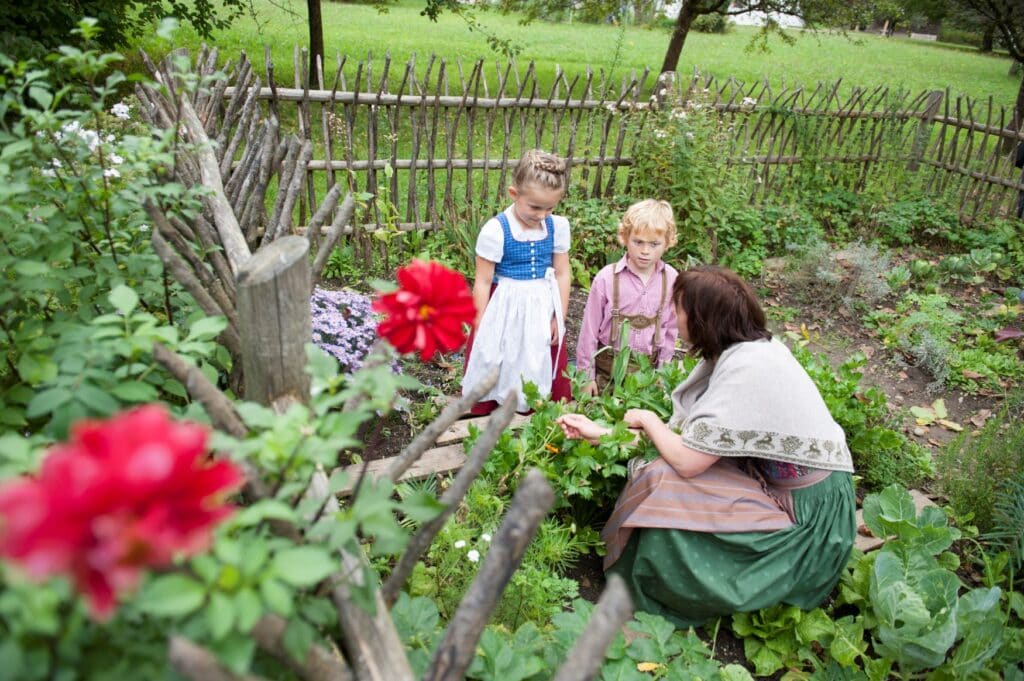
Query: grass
<point>361,32</point>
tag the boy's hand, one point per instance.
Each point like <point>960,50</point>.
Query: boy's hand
<point>591,389</point>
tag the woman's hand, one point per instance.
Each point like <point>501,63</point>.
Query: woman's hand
<point>639,418</point>
<point>579,427</point>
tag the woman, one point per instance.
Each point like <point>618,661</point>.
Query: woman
<point>750,502</point>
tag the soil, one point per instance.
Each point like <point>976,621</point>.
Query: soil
<point>835,331</point>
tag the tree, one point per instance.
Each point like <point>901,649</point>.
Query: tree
<point>1008,18</point>
<point>30,28</point>
<point>815,13</point>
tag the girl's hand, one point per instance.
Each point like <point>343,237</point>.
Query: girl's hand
<point>554,331</point>
<point>636,418</point>
<point>591,389</point>
<point>579,427</point>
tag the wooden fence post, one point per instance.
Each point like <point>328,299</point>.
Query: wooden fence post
<point>275,322</point>
<point>931,109</point>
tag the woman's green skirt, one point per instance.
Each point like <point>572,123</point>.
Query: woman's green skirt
<point>690,577</point>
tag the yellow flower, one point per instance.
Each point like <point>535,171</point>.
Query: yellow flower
<point>551,448</point>
<point>648,666</point>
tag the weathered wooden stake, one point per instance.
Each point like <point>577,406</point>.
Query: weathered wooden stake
<point>274,321</point>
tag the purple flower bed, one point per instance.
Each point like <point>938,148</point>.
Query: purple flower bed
<point>344,326</point>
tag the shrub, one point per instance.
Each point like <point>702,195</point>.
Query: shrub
<point>976,469</point>
<point>710,23</point>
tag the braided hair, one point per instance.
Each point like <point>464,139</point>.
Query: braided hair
<point>541,169</point>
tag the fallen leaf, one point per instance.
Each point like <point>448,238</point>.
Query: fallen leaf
<point>933,442</point>
<point>648,666</point>
<point>950,425</point>
<point>971,374</point>
<point>867,350</point>
<point>864,531</point>
<point>982,416</point>
<point>1008,333</point>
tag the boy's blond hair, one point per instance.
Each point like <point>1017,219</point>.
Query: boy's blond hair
<point>540,168</point>
<point>649,216</point>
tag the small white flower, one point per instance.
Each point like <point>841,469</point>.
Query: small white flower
<point>611,108</point>
<point>486,537</point>
<point>662,92</point>
<point>48,172</point>
<point>109,138</point>
<point>660,134</point>
<point>473,556</point>
<point>143,228</point>
<point>749,101</point>
<point>55,162</point>
<point>460,544</point>
<point>679,114</point>
<point>120,110</point>
<point>689,135</point>
<point>111,172</point>
<point>116,159</point>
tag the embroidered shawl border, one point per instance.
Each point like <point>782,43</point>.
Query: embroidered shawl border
<point>762,444</point>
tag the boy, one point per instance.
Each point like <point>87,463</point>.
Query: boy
<point>636,289</point>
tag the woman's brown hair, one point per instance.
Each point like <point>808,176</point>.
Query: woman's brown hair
<point>721,309</point>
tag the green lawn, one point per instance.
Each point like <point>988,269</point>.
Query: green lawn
<point>359,30</point>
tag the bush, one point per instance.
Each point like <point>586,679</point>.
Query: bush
<point>959,36</point>
<point>710,23</point>
<point>975,469</point>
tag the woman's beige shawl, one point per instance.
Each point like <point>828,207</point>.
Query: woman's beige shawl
<point>757,401</point>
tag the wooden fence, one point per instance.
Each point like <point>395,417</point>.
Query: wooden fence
<point>435,142</point>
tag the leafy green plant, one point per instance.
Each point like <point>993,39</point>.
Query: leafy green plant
<point>911,604</point>
<point>881,454</point>
<point>785,636</point>
<point>1008,521</point>
<point>974,468</point>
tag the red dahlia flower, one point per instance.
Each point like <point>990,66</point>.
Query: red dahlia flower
<point>122,495</point>
<point>427,311</point>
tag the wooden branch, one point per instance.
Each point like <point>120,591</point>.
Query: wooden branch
<point>320,216</point>
<point>231,238</point>
<point>184,276</point>
<point>218,407</point>
<point>614,609</point>
<point>208,281</point>
<point>291,146</point>
<point>291,193</point>
<point>449,415</point>
<point>456,650</point>
<point>341,219</point>
<point>450,499</point>
<point>319,664</point>
<point>196,663</point>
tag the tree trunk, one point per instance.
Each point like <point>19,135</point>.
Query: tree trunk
<point>987,38</point>
<point>1017,122</point>
<point>687,13</point>
<point>316,43</point>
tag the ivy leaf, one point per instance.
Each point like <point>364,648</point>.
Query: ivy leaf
<point>171,596</point>
<point>303,565</point>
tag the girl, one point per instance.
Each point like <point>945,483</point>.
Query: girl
<point>521,289</point>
